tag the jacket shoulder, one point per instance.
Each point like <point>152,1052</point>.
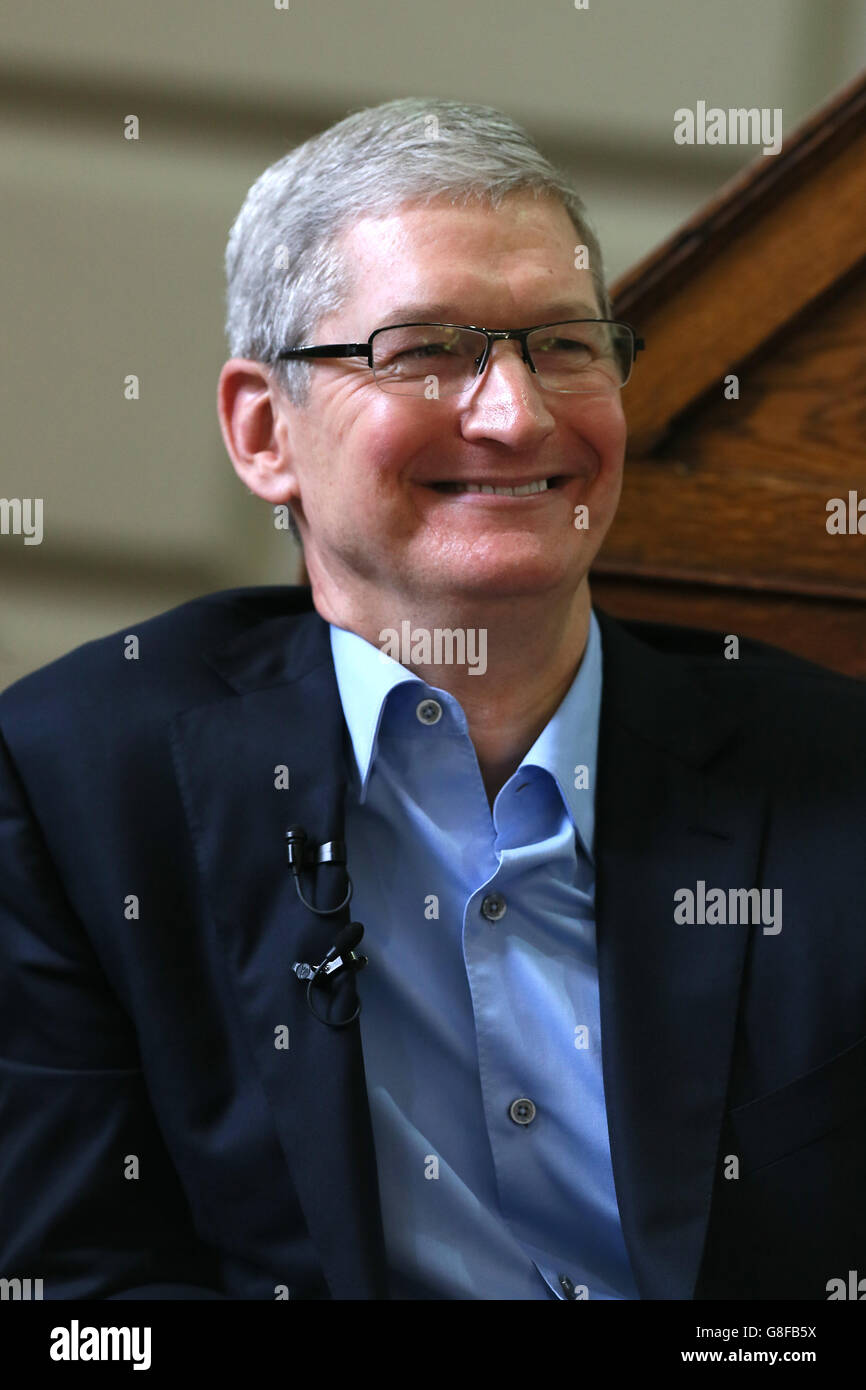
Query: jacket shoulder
<point>705,649</point>
<point>788,704</point>
<point>162,669</point>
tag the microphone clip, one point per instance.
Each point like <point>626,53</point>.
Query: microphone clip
<point>349,961</point>
<point>342,957</point>
<point>302,855</point>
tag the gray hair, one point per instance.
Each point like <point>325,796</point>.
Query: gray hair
<point>284,270</point>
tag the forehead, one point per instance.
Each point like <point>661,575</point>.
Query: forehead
<point>465,263</point>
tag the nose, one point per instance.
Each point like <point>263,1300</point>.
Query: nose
<point>505,403</point>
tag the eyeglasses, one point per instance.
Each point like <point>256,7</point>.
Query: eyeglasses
<point>444,359</point>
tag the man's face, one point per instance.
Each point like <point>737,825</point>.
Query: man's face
<point>364,463</point>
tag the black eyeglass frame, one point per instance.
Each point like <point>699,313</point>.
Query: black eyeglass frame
<point>491,334</point>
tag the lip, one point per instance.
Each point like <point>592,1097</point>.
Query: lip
<point>487,499</point>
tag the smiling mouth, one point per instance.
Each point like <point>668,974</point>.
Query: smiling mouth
<point>524,490</point>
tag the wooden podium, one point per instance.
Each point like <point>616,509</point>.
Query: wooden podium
<point>723,521</point>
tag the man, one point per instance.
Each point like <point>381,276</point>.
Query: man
<point>612,1029</point>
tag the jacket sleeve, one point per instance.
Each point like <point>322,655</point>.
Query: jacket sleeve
<point>90,1202</point>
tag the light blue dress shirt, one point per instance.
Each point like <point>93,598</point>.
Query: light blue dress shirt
<point>480,1010</point>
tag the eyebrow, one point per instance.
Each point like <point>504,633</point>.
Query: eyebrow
<point>446,313</point>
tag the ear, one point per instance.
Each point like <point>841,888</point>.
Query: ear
<point>253,416</point>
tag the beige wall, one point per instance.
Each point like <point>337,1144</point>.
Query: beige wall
<point>112,249</point>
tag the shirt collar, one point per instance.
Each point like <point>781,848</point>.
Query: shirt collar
<point>567,746</point>
<point>365,678</point>
<point>569,741</point>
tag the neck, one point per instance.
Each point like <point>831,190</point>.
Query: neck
<point>509,668</point>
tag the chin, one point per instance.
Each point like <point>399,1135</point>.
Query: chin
<point>514,577</point>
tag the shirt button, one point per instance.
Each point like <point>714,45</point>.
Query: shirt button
<point>494,906</point>
<point>522,1111</point>
<point>566,1285</point>
<point>429,711</point>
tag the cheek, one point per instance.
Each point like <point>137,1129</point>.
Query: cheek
<point>602,425</point>
<point>395,439</point>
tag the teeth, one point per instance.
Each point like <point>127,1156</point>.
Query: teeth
<point>539,486</point>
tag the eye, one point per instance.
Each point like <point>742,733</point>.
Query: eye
<point>425,350</point>
<point>571,346</point>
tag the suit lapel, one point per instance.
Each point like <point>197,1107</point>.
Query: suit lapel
<point>669,993</point>
<point>286,711</point>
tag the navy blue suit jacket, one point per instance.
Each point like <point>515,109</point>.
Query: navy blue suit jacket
<point>153,1036</point>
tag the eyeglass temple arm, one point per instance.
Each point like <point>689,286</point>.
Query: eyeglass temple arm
<point>328,350</point>
<point>639,343</point>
